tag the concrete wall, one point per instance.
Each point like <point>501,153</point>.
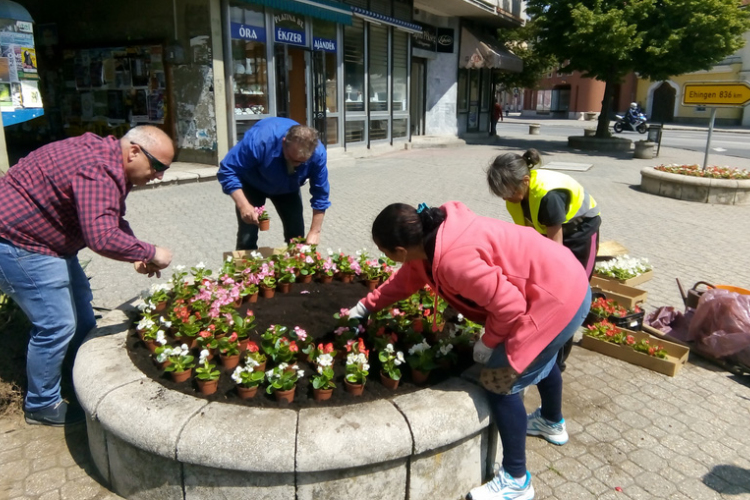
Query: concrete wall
<point>442,82</point>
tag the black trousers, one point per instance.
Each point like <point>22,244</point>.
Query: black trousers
<point>289,208</point>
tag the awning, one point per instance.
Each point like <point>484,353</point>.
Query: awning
<point>376,18</point>
<point>479,51</point>
<point>327,10</point>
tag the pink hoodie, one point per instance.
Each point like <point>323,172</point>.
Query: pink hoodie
<point>522,286</point>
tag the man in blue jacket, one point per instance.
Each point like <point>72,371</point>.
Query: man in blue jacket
<point>274,159</point>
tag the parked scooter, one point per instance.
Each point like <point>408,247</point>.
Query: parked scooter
<point>638,125</point>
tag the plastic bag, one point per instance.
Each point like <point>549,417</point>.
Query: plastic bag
<point>721,324</point>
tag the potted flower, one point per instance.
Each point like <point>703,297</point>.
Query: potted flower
<point>316,351</point>
<point>279,347</point>
<point>370,271</point>
<point>347,328</point>
<point>247,379</point>
<point>421,360</point>
<point>254,358</point>
<point>326,269</point>
<point>158,296</point>
<point>603,308</point>
<point>162,354</point>
<point>207,340</point>
<point>444,354</point>
<point>229,352</point>
<point>268,286</point>
<point>464,333</point>
<point>206,375</point>
<point>282,381</point>
<point>322,380</point>
<point>181,364</point>
<point>627,270</point>
<point>390,360</point>
<point>242,327</point>
<point>357,367</point>
<point>286,274</point>
<point>249,291</point>
<point>348,267</point>
<point>264,222</point>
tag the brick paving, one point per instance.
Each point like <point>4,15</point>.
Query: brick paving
<point>649,435</point>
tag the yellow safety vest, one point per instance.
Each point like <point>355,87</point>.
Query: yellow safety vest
<point>542,182</point>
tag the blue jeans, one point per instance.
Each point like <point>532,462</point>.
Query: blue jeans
<point>55,294</point>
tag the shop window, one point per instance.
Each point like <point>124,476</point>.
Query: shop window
<point>463,101</point>
<point>378,47</point>
<point>378,130</point>
<point>485,73</point>
<point>354,65</point>
<point>355,131</point>
<point>400,58</point>
<point>249,63</point>
<point>473,100</point>
<point>399,128</point>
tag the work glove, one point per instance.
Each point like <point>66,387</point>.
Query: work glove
<point>358,312</point>
<point>482,353</point>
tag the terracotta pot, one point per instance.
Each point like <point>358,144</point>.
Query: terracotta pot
<point>182,376</point>
<point>305,278</point>
<point>322,394</point>
<point>207,387</point>
<point>267,292</point>
<point>387,381</point>
<point>191,342</point>
<point>151,344</point>
<point>354,389</point>
<point>372,284</point>
<point>325,279</point>
<point>419,377</point>
<point>284,287</point>
<point>161,306</point>
<point>264,225</point>
<point>287,396</point>
<point>253,298</point>
<point>247,392</point>
<point>229,362</point>
<point>347,277</point>
<point>237,303</point>
<point>220,336</point>
<point>261,367</point>
<point>163,365</point>
<point>243,345</point>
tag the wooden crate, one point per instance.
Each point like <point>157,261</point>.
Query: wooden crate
<point>626,296</point>
<point>677,354</point>
<point>636,280</point>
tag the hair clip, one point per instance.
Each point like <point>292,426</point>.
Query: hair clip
<point>422,207</point>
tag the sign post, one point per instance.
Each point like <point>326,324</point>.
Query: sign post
<point>715,95</point>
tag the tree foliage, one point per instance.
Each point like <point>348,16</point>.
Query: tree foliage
<point>608,39</point>
<point>520,41</point>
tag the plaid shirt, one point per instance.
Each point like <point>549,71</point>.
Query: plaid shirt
<point>69,195</point>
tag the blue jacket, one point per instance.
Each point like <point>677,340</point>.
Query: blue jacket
<point>258,161</point>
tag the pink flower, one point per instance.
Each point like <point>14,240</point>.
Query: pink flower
<point>301,334</point>
<point>344,312</point>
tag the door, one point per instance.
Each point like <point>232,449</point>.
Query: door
<point>291,92</point>
<point>417,96</point>
<point>319,94</point>
<point>662,109</point>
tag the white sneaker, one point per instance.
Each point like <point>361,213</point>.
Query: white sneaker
<point>504,487</point>
<point>554,432</point>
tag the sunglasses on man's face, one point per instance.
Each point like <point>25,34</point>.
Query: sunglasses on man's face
<point>155,164</point>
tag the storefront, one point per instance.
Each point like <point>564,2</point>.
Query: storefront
<point>341,68</point>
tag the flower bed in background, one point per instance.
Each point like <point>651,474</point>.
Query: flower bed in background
<point>714,172</point>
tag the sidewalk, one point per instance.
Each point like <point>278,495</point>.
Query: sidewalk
<point>648,435</point>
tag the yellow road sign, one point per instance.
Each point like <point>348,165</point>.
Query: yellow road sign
<point>716,94</point>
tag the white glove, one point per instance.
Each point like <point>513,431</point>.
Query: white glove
<point>482,353</point>
<point>358,312</point>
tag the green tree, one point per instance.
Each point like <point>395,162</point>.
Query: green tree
<point>608,39</point>
<point>520,41</point>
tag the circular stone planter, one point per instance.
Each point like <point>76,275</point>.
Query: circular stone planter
<point>699,189</point>
<point>597,144</point>
<point>149,442</point>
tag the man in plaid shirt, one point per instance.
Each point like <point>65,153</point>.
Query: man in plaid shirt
<point>57,200</point>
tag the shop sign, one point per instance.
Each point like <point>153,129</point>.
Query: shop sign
<point>445,40</point>
<point>324,44</point>
<point>247,32</point>
<point>290,29</point>
<point>426,39</point>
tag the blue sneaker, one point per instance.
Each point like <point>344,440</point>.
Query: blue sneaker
<point>504,487</point>
<point>57,415</point>
<point>554,432</point>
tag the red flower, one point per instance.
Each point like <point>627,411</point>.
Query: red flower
<point>198,315</point>
<point>630,340</point>
<point>293,346</point>
<point>328,348</point>
<point>233,337</point>
<point>252,346</point>
<point>204,334</point>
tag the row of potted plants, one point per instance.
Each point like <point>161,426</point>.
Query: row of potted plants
<point>605,331</point>
<point>622,267</point>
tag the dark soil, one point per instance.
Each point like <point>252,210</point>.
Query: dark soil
<point>314,313</point>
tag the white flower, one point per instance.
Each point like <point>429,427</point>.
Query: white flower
<point>460,317</point>
<point>204,356</point>
<point>200,265</point>
<point>161,337</point>
<point>389,348</point>
<point>237,374</point>
<point>229,258</point>
<point>179,268</point>
<point>300,373</point>
<point>325,360</point>
<point>399,358</point>
<point>251,363</point>
<point>270,374</point>
<point>445,349</point>
<point>184,349</point>
<point>321,369</point>
<point>365,367</point>
<point>416,349</point>
<point>330,252</point>
<point>145,324</point>
<point>256,254</point>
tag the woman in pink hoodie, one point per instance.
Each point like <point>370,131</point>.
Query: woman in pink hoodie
<point>530,294</point>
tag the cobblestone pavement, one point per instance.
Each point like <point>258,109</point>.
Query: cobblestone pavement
<point>633,430</point>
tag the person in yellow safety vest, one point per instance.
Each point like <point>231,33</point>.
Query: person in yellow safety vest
<point>554,204</point>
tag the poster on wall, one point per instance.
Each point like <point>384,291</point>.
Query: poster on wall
<point>30,96</point>
<point>28,55</point>
<point>140,106</point>
<point>156,106</point>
